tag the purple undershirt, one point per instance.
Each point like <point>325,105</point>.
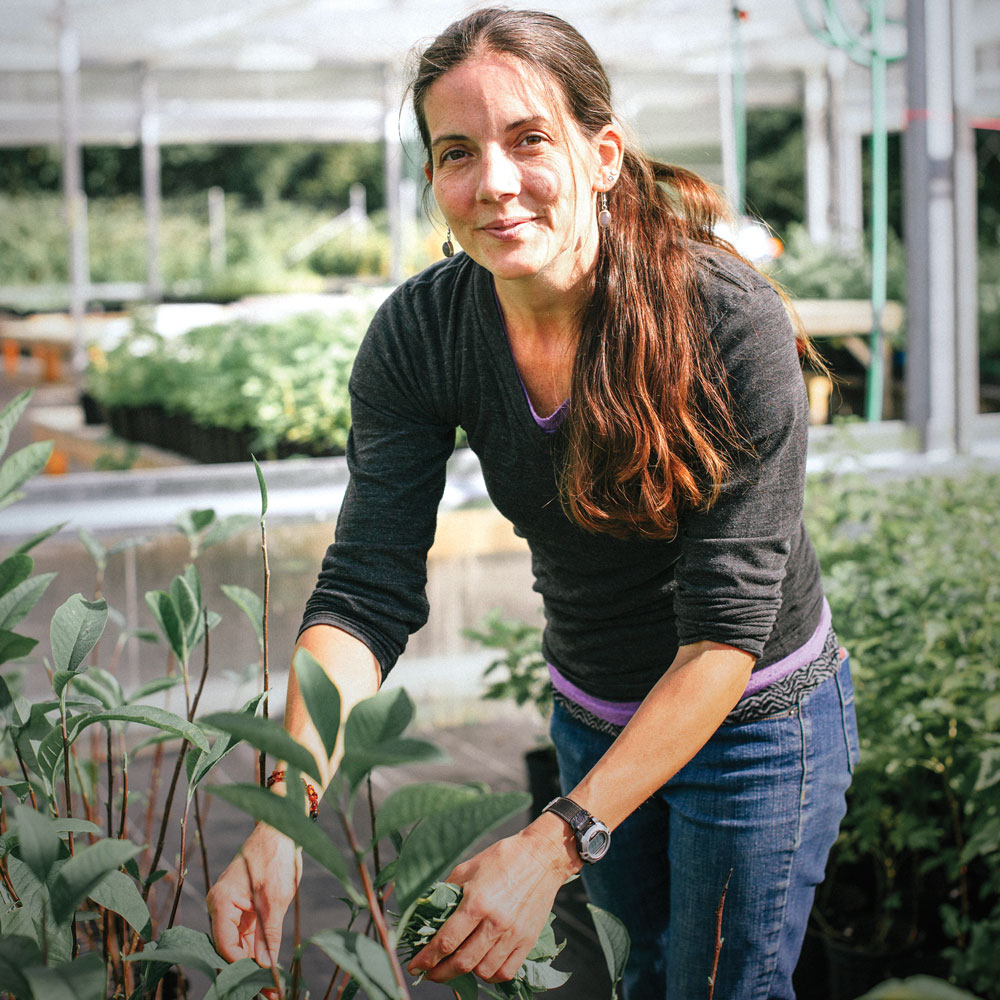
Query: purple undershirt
<point>618,713</point>
<point>551,423</point>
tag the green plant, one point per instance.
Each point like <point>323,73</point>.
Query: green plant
<point>910,575</point>
<point>77,881</point>
<point>521,673</point>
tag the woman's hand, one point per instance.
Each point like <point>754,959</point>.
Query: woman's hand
<point>508,891</point>
<point>248,902</point>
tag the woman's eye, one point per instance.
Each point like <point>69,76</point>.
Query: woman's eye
<point>532,140</point>
<point>450,155</point>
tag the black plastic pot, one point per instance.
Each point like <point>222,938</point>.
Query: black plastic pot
<point>543,777</point>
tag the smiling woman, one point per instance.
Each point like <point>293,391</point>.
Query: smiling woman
<point>633,391</point>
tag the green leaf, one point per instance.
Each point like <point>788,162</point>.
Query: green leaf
<point>266,735</point>
<point>15,569</point>
<point>242,980</point>
<point>76,627</point>
<point>145,715</point>
<point>227,528</point>
<point>989,770</point>
<point>321,697</point>
<point>81,979</point>
<point>466,987</point>
<point>39,841</point>
<point>14,646</point>
<point>19,468</point>
<point>15,709</point>
<point>614,942</point>
<point>282,814</point>
<point>411,803</point>
<point>20,599</point>
<point>155,686</point>
<point>188,606</point>
<point>251,605</point>
<point>178,946</point>
<point>191,522</point>
<point>97,551</point>
<point>371,736</point>
<point>11,414</point>
<point>198,764</point>
<point>81,875</point>
<point>161,604</point>
<point>17,953</point>
<point>38,539</point>
<point>366,961</point>
<point>119,893</point>
<point>438,842</point>
<point>101,685</point>
<point>262,484</point>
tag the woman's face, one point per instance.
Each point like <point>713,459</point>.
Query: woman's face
<point>512,173</point>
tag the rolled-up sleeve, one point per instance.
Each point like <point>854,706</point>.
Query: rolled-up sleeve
<point>733,556</point>
<point>373,578</point>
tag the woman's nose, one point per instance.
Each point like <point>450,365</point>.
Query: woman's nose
<point>498,177</point>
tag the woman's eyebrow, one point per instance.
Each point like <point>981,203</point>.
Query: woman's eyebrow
<point>539,120</point>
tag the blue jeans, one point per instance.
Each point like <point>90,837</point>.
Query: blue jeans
<point>764,799</point>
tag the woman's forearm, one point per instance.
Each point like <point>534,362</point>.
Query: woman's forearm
<point>672,724</point>
<point>352,667</point>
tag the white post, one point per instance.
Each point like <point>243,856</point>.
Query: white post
<point>929,147</point>
<point>393,173</point>
<point>816,121</point>
<point>966,237</point>
<point>72,175</point>
<point>217,230</point>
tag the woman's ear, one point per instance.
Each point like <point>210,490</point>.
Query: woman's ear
<point>428,173</point>
<point>610,152</point>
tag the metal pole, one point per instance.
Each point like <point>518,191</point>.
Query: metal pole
<point>393,175</point>
<point>149,131</point>
<point>739,110</point>
<point>928,151</point>
<point>817,106</point>
<point>966,237</point>
<point>875,386</point>
<point>72,174</point>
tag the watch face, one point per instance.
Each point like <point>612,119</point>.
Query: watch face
<point>596,842</point>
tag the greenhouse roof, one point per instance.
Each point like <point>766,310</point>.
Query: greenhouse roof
<point>331,69</point>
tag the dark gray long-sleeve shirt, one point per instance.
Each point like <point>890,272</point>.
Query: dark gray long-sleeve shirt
<point>435,357</point>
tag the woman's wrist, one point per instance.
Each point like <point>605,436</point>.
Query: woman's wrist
<point>552,838</point>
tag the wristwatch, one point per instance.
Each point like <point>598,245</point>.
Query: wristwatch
<point>592,837</point>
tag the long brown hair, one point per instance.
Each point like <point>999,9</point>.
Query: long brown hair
<point>650,428</point>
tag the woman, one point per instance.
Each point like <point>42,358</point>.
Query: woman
<point>633,390</point>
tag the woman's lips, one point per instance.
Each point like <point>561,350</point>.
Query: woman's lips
<point>507,229</point>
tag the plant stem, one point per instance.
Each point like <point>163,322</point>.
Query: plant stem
<point>8,885</point>
<point>376,856</point>
<point>66,773</point>
<point>374,907</point>
<point>182,864</point>
<point>111,783</point>
<point>168,805</point>
<point>122,818</point>
<point>267,944</point>
<point>265,630</point>
<point>24,771</point>
<point>201,839</point>
<point>718,936</point>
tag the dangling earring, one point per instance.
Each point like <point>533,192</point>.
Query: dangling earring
<point>604,216</point>
<point>448,248</point>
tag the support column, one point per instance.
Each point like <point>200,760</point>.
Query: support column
<point>929,146</point>
<point>75,201</point>
<point>816,126</point>
<point>847,206</point>
<point>393,174</point>
<point>966,228</point>
<point>149,133</point>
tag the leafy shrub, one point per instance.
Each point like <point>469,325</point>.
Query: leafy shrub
<point>910,572</point>
<point>285,383</point>
<point>76,918</point>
